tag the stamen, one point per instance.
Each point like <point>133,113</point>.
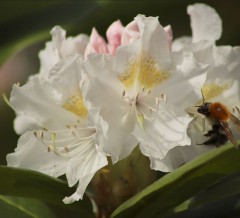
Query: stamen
<point>70,145</point>
<point>53,138</point>
<point>140,119</point>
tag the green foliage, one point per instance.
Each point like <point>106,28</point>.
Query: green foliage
<point>24,208</point>
<point>31,184</point>
<point>185,182</point>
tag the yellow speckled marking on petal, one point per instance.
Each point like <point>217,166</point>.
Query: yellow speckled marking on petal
<point>144,70</point>
<point>213,90</point>
<point>75,105</point>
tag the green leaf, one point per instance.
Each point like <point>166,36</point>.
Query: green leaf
<point>32,184</point>
<point>27,23</point>
<point>19,44</point>
<point>226,207</point>
<point>24,208</point>
<point>225,188</point>
<point>183,183</point>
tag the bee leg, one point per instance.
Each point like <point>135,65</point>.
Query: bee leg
<point>211,141</point>
<point>210,133</point>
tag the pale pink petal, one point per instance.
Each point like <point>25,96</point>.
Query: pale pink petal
<point>114,36</point>
<point>96,44</point>
<point>168,30</point>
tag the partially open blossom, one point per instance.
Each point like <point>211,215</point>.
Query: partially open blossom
<point>117,35</point>
<point>138,93</point>
<point>57,137</point>
<point>97,44</point>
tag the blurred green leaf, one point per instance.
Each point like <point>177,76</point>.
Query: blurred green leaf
<point>16,46</point>
<point>183,183</point>
<point>24,208</point>
<point>31,22</point>
<point>227,207</point>
<point>31,184</point>
<point>223,189</point>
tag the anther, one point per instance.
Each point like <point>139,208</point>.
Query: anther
<point>35,134</point>
<point>41,135</point>
<point>45,129</point>
<point>73,133</point>
<point>66,148</point>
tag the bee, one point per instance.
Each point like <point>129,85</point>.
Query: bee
<point>220,132</point>
<point>217,136</point>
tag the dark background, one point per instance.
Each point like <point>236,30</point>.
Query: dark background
<point>25,26</point>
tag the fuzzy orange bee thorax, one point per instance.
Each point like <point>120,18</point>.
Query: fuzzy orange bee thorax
<point>219,112</point>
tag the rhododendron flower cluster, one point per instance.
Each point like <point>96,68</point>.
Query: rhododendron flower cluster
<point>94,99</point>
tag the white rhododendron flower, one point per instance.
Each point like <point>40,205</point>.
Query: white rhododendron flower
<point>62,140</point>
<point>56,50</point>
<point>94,98</point>
<point>142,91</point>
<point>221,85</point>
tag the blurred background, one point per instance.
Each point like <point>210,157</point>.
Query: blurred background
<point>25,27</point>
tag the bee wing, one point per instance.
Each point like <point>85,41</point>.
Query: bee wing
<point>228,133</point>
<point>235,121</point>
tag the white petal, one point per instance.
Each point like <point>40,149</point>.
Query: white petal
<point>151,34</point>
<point>58,38</point>
<point>76,196</point>
<point>82,168</point>
<point>104,91</point>
<point>181,42</point>
<point>60,48</point>
<point>23,123</point>
<point>205,23</point>
<point>36,99</point>
<point>48,58</point>
<point>162,134</point>
<point>66,76</point>
<point>178,156</point>
<point>32,154</point>
<point>87,162</point>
